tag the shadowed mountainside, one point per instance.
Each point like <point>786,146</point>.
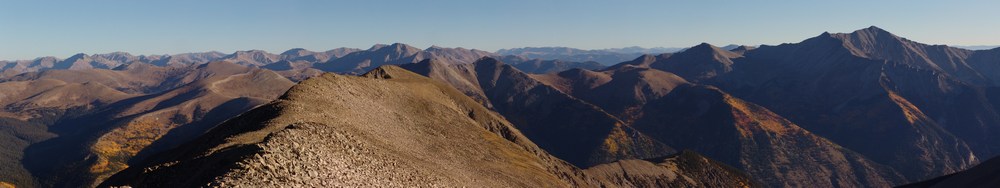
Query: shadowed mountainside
<point>982,175</point>
<point>770,148</point>
<point>626,91</point>
<point>923,110</point>
<point>569,128</point>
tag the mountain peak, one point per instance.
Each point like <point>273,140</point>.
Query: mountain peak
<point>642,61</point>
<point>825,34</point>
<point>377,46</point>
<point>872,31</point>
<point>296,52</point>
<point>702,46</point>
<point>708,49</point>
<point>400,47</point>
<point>77,56</point>
<point>434,47</point>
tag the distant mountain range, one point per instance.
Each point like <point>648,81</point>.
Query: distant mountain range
<point>860,109</point>
<point>609,56</point>
<point>603,56</point>
<point>978,47</point>
<point>342,60</point>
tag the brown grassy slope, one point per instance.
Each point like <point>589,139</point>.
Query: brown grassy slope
<point>115,148</point>
<point>135,78</point>
<point>389,128</point>
<point>362,131</point>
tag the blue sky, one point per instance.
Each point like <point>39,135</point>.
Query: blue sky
<point>29,29</point>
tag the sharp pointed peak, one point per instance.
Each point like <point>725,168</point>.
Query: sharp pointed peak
<point>874,28</point>
<point>704,45</point>
<point>825,34</point>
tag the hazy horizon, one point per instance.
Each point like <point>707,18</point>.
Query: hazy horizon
<point>65,28</point>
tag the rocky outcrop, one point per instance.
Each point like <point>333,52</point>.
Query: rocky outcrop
<point>686,169</point>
